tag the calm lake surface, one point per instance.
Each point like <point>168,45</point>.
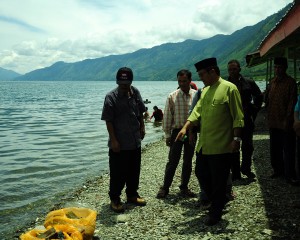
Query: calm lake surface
<point>52,140</point>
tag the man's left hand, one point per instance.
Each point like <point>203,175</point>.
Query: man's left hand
<point>235,146</point>
<point>142,132</point>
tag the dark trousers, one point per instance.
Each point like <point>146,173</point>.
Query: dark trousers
<point>282,151</point>
<point>247,146</point>
<point>124,167</point>
<point>298,158</point>
<point>212,172</point>
<point>247,151</point>
<point>174,157</point>
<point>235,166</point>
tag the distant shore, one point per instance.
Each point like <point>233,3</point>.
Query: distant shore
<point>262,209</point>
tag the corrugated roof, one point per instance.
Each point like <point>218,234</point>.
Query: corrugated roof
<point>277,24</point>
<point>282,39</point>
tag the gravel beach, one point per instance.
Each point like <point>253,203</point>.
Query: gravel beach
<point>263,209</point>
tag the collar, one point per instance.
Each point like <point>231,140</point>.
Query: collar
<point>277,79</point>
<point>239,79</point>
<point>183,93</point>
<point>216,83</point>
<point>124,94</point>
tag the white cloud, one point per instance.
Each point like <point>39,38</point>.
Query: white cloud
<point>36,34</point>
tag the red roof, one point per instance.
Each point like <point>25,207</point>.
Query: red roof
<point>289,24</point>
<point>282,40</point>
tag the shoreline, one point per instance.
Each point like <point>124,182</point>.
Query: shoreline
<point>263,209</point>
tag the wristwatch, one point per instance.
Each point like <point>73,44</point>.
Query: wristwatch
<point>238,139</point>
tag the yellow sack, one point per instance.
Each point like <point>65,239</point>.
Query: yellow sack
<point>66,231</point>
<point>83,219</point>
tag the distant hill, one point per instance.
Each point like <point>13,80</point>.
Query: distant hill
<point>162,62</point>
<point>7,74</point>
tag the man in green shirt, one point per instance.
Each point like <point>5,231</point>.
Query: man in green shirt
<point>221,113</point>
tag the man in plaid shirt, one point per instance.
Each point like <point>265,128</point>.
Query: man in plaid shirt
<point>176,113</point>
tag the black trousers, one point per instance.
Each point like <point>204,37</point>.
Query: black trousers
<point>124,167</point>
<point>174,157</point>
<point>247,151</point>
<point>282,151</point>
<point>298,158</point>
<point>247,145</point>
<point>212,172</point>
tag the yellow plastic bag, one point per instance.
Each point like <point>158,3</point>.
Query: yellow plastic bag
<point>83,219</point>
<point>68,232</point>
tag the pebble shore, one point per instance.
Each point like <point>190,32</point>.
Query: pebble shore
<point>263,209</point>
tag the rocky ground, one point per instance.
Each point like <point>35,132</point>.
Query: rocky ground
<point>263,209</point>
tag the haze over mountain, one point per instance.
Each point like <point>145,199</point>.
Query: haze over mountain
<point>163,62</point>
<point>7,74</point>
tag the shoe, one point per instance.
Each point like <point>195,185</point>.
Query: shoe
<point>138,201</point>
<point>230,197</point>
<point>117,206</point>
<point>276,175</point>
<point>210,221</point>
<point>237,178</point>
<point>293,182</point>
<point>187,193</point>
<point>203,204</point>
<point>249,174</point>
<point>162,193</point>
<point>295,204</point>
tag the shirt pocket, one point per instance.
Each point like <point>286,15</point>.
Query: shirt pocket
<point>219,106</point>
<point>219,101</point>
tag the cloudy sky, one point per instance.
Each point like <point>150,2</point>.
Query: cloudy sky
<point>38,33</point>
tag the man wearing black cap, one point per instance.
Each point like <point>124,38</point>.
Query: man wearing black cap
<point>123,112</point>
<point>221,113</point>
<point>281,100</point>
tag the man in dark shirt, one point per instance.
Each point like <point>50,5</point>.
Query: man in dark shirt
<point>157,114</point>
<point>251,100</point>
<point>123,112</point>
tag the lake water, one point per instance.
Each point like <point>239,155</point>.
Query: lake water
<point>52,140</point>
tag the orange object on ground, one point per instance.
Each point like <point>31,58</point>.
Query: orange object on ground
<point>68,232</point>
<point>83,219</point>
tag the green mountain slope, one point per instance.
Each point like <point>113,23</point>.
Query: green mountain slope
<point>162,62</point>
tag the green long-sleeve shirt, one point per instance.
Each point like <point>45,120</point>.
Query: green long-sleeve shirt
<point>220,109</point>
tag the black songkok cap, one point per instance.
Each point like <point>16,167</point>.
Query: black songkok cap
<point>124,76</point>
<point>208,62</point>
<point>282,61</point>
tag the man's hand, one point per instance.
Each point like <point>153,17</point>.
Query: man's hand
<point>142,132</point>
<point>180,135</point>
<point>235,146</point>
<point>115,146</point>
<point>168,141</point>
<point>192,138</point>
<point>296,126</point>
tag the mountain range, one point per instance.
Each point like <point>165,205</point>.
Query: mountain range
<point>164,61</point>
<point>8,74</point>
